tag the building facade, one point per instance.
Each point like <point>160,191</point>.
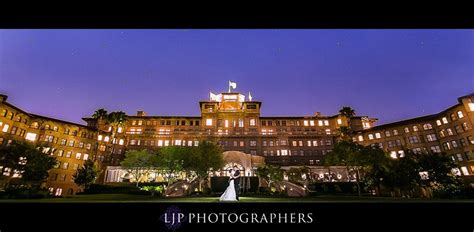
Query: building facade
<point>449,131</point>
<point>235,123</point>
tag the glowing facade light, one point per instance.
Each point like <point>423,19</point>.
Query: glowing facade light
<point>471,106</point>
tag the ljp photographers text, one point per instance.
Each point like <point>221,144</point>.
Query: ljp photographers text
<point>172,218</point>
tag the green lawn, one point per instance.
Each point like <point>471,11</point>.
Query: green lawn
<point>115,198</point>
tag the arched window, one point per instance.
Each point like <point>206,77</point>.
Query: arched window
<point>427,126</point>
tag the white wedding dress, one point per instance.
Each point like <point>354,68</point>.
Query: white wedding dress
<point>229,194</point>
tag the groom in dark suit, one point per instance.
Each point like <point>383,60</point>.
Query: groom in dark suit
<point>236,178</point>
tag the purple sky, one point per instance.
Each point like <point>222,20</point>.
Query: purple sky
<point>388,74</point>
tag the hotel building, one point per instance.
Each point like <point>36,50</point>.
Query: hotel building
<point>235,123</point>
<point>449,131</point>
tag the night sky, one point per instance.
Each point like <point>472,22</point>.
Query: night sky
<point>387,74</point>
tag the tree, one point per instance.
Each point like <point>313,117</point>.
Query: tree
<point>116,119</point>
<point>31,162</point>
<point>205,157</point>
<point>349,154</point>
<point>296,174</point>
<point>375,168</point>
<point>87,174</point>
<point>270,173</point>
<point>139,162</point>
<point>403,174</point>
<point>100,114</point>
<point>438,167</point>
<point>171,160</point>
<point>347,111</point>
<point>344,133</point>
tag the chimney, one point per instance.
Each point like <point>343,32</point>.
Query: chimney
<point>317,114</point>
<point>3,98</point>
<point>141,113</point>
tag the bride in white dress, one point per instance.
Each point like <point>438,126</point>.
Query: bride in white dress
<point>229,194</point>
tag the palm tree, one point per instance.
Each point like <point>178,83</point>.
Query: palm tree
<point>347,111</point>
<point>100,114</point>
<point>116,119</point>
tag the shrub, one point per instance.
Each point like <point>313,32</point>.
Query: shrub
<point>24,192</point>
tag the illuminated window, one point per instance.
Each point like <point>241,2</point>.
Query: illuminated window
<point>315,143</point>
<point>177,142</point>
<point>320,123</point>
<point>387,133</point>
<point>431,137</point>
<point>242,143</point>
<point>226,123</point>
<point>284,152</point>
<point>190,143</point>
<point>99,137</point>
<point>167,143</point>
<point>311,122</point>
<point>377,135</point>
<point>294,143</point>
<point>241,122</point>
<point>196,143</point>
<point>455,144</point>
<point>395,132</point>
<point>371,136</point>
<point>424,175</point>
<point>365,125</point>
<point>309,143</point>
<point>450,132</point>
<point>106,139</point>
<point>78,156</point>
<point>328,131</point>
<point>435,149</point>
<point>413,139</point>
<point>415,128</point>
<point>120,129</point>
<point>121,142</point>
<point>339,121</point>
<point>305,123</point>
<point>209,122</point>
<point>464,171</point>
<point>71,143</point>
<point>253,143</point>
<point>445,120</point>
<point>140,122</point>
<point>401,153</point>
<point>438,122</point>
<point>252,122</point>
<point>300,143</point>
<point>427,126</point>
<point>5,127</point>
<point>326,122</point>
<point>160,143</point>
<point>65,165</point>
<point>31,136</point>
<point>85,157</point>
<point>361,138</point>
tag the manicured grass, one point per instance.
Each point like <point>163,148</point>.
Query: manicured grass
<point>118,198</point>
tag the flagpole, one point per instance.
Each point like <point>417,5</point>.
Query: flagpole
<point>229,86</point>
